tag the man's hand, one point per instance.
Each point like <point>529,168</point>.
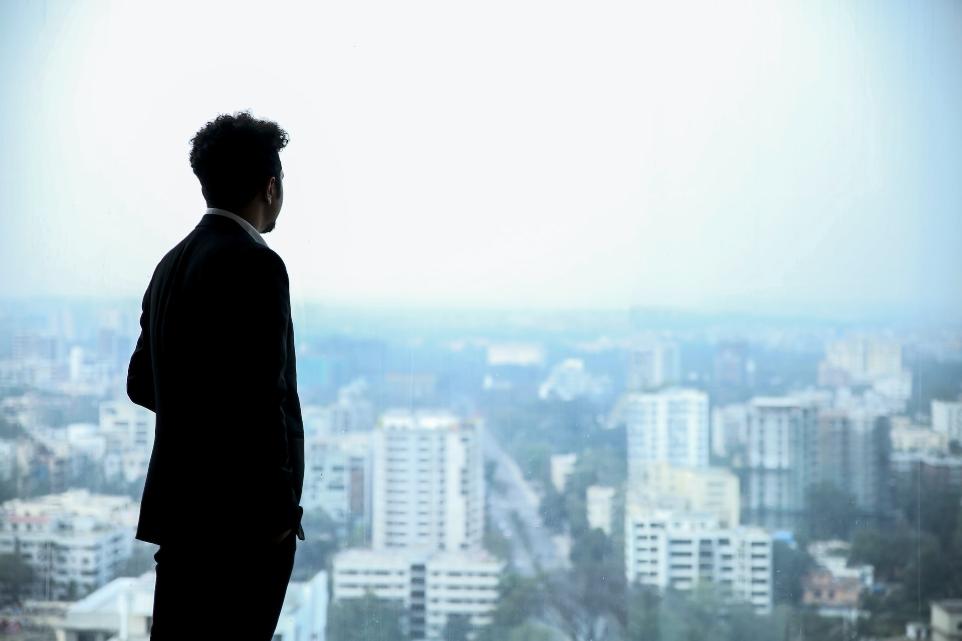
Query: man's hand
<point>283,536</point>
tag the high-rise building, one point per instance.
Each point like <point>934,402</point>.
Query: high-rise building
<point>668,549</point>
<point>430,586</point>
<point>779,460</point>
<point>729,430</point>
<point>670,426</point>
<point>428,482</point>
<point>852,452</point>
<point>947,419</point>
<point>653,365</point>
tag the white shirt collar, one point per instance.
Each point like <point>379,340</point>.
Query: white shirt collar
<point>256,235</point>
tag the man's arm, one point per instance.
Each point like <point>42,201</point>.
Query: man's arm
<point>263,322</point>
<point>295,424</point>
<point>140,374</point>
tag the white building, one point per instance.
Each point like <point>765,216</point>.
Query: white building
<point>428,485</point>
<point>515,354</point>
<point>909,437</point>
<point>946,620</point>
<point>670,426</point>
<point>947,419</point>
<point>430,586</point>
<point>653,365</point>
<point>834,555</point>
<point>75,541</point>
<point>599,501</point>
<point>703,490</point>
<point>729,430</point>
<point>673,549</point>
<point>122,610</point>
<point>779,459</point>
<point>126,425</point>
<point>865,358</point>
<point>337,477</point>
<point>562,465</point>
<point>128,432</point>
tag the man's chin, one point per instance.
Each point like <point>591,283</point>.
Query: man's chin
<point>268,229</point>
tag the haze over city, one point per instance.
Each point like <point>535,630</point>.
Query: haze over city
<point>739,157</point>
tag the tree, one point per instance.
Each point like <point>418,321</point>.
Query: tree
<point>831,512</point>
<point>643,605</point>
<point>15,574</point>
<point>790,565</point>
<point>320,542</point>
<point>519,599</point>
<point>553,509</point>
<point>887,552</point>
<point>368,618</point>
<point>457,627</point>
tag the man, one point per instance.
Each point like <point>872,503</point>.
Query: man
<point>215,361</point>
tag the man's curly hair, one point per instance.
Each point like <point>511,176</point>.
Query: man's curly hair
<point>233,156</point>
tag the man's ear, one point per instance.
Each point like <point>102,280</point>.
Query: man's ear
<point>271,190</point>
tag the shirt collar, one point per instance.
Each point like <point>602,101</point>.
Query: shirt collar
<point>250,229</point>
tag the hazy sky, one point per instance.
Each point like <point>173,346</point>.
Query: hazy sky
<point>803,155</point>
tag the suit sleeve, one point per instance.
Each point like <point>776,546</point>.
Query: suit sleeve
<point>295,426</point>
<point>140,375</point>
<point>264,321</point>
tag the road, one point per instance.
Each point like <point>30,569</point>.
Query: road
<point>514,511</point>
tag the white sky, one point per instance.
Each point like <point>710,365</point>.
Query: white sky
<point>749,156</point>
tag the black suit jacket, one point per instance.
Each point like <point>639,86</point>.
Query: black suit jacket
<point>215,361</point>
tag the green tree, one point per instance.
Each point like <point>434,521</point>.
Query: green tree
<point>16,575</point>
<point>831,512</point>
<point>368,618</point>
<point>320,542</point>
<point>519,599</point>
<point>553,509</point>
<point>887,551</point>
<point>644,604</point>
<point>790,564</point>
<point>530,631</point>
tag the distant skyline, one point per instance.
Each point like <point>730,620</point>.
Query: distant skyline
<point>795,158</point>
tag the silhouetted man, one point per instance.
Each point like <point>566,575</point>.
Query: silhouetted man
<point>215,361</point>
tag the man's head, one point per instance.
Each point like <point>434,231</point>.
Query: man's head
<point>236,159</point>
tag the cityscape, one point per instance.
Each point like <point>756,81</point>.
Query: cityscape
<point>634,475</point>
<point>619,321</point>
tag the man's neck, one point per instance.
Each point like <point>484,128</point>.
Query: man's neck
<point>241,220</point>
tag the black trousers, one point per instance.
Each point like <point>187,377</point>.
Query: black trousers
<point>208,590</point>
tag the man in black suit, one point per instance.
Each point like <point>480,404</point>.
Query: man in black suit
<point>215,361</point>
